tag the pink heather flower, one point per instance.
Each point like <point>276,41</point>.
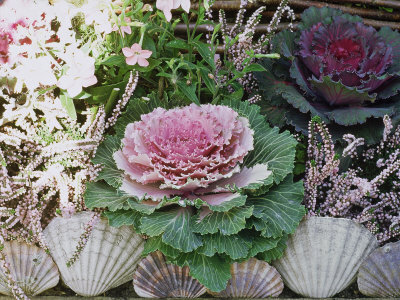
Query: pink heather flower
<point>80,73</point>
<point>136,55</point>
<point>189,151</point>
<point>124,29</point>
<point>167,5</point>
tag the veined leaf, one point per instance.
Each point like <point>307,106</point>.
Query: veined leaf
<point>280,207</point>
<point>175,228</point>
<point>237,200</point>
<point>276,252</point>
<point>262,244</point>
<point>337,94</point>
<point>99,194</point>
<point>275,149</point>
<point>236,246</point>
<point>229,222</point>
<point>144,208</point>
<point>155,243</point>
<point>123,217</point>
<point>213,272</point>
<point>104,156</point>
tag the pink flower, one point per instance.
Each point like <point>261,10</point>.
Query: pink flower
<point>191,151</point>
<point>136,55</point>
<point>167,5</point>
<point>124,29</point>
<point>80,73</point>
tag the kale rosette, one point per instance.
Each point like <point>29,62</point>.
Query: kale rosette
<point>337,68</point>
<point>207,184</point>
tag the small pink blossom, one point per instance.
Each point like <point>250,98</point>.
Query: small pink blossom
<point>136,55</point>
<point>167,5</point>
<point>124,29</point>
<point>80,74</point>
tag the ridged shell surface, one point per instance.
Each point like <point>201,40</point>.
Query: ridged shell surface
<point>154,278</point>
<point>379,274</point>
<point>107,261</point>
<point>323,256</point>
<point>252,279</point>
<point>31,267</point>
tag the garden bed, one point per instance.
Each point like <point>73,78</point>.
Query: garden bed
<point>126,291</point>
<point>192,151</point>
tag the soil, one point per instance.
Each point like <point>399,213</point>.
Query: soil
<point>127,291</point>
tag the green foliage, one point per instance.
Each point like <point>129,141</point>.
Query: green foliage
<point>207,238</point>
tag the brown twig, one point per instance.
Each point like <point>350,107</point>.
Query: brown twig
<point>262,28</point>
<point>363,12</point>
<point>383,3</point>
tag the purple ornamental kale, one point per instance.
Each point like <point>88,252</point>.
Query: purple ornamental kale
<point>337,68</point>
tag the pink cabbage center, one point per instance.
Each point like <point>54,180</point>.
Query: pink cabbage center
<point>185,148</point>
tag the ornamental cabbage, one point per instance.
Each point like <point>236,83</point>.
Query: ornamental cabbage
<point>183,150</point>
<point>335,67</point>
<point>208,185</point>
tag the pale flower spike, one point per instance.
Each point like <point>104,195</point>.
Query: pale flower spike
<point>167,5</point>
<point>136,55</point>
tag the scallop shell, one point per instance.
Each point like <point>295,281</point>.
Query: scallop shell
<point>31,267</point>
<point>154,278</point>
<point>379,274</point>
<point>323,256</point>
<point>252,279</point>
<point>107,261</point>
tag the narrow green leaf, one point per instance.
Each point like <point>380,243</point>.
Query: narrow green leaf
<point>253,68</point>
<point>205,53</point>
<point>177,44</point>
<point>114,60</point>
<point>69,106</point>
<point>189,91</point>
<point>102,93</point>
<point>210,83</point>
